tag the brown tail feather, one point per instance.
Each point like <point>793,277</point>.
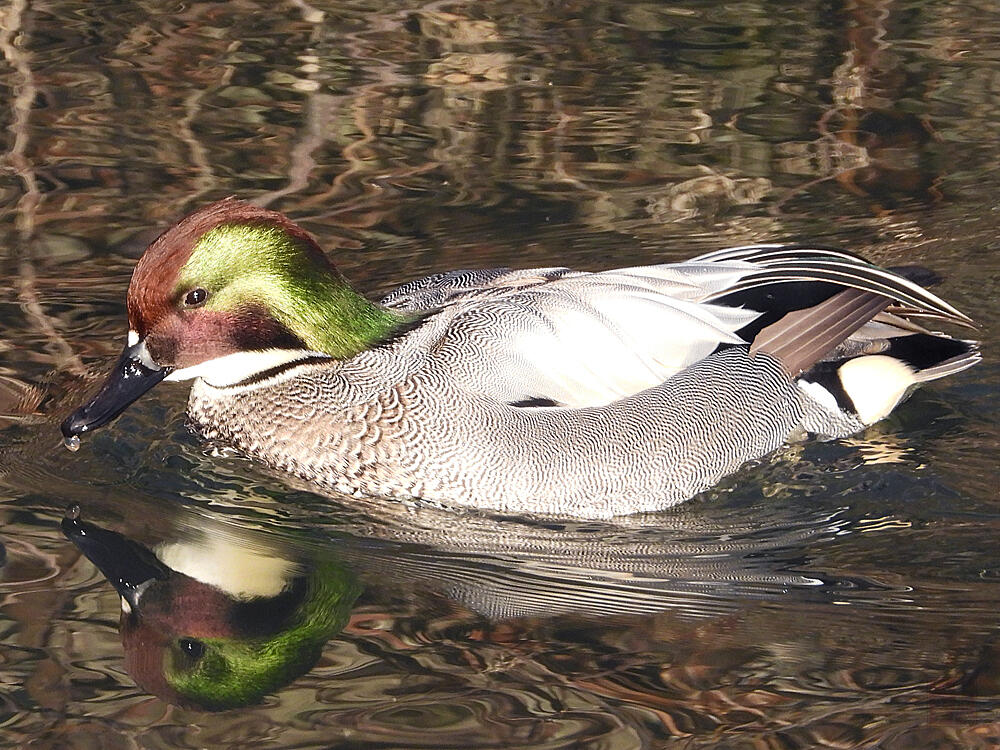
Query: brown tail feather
<point>802,338</point>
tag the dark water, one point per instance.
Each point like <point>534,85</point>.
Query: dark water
<point>839,594</point>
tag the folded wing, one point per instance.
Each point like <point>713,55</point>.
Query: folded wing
<point>555,337</point>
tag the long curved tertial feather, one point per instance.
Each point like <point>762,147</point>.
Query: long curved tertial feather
<point>838,267</point>
<point>802,338</point>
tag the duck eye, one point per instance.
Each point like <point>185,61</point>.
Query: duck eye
<point>195,297</point>
<point>192,648</point>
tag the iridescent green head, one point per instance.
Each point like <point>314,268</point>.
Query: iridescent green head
<point>231,291</point>
<point>231,278</point>
<point>193,645</point>
<point>219,616</point>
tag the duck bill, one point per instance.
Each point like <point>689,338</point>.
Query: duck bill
<point>129,566</point>
<point>133,374</point>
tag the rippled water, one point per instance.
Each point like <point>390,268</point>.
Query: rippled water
<point>840,594</point>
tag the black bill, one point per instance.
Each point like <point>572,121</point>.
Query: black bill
<point>133,374</point>
<point>127,565</point>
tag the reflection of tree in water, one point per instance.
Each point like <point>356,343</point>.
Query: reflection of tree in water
<point>363,122</point>
<point>424,107</point>
<point>871,142</point>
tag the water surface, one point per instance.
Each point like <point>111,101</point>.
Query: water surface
<point>838,594</point>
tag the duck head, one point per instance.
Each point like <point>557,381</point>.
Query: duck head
<point>223,624</point>
<point>229,291</point>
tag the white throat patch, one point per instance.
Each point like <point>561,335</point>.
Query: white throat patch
<point>234,368</point>
<point>242,571</point>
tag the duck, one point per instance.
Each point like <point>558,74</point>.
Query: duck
<point>543,391</point>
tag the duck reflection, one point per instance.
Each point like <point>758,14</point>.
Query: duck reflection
<point>217,616</point>
<point>218,620</point>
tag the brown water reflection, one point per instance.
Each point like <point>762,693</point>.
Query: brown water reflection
<point>840,594</point>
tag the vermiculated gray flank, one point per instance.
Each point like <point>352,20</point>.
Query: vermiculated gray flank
<point>644,452</point>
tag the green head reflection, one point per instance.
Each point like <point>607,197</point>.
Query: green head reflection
<point>218,621</point>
